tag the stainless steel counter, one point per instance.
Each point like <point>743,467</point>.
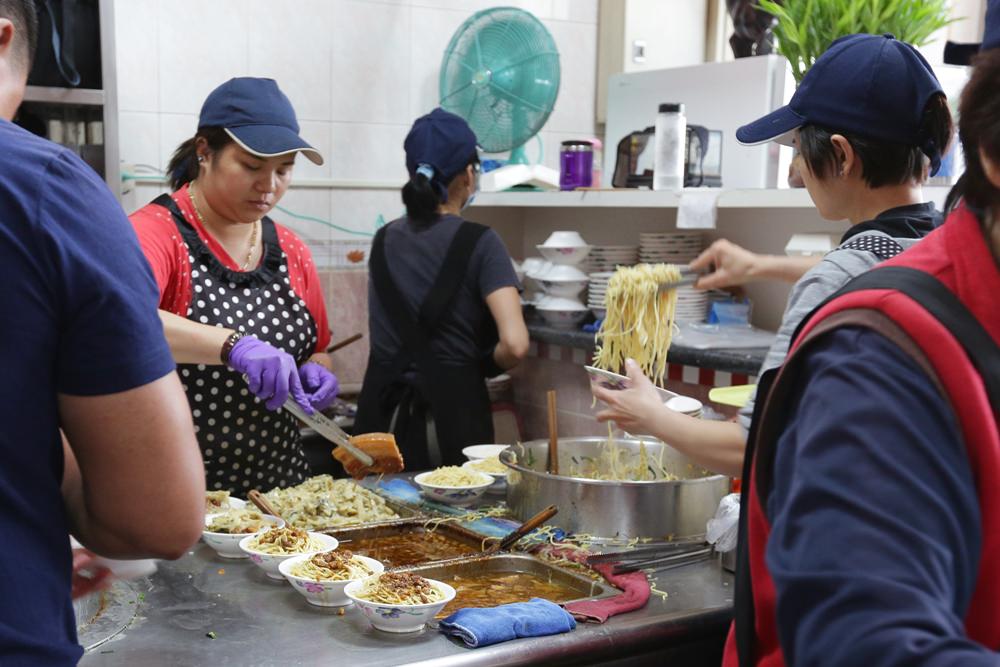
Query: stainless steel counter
<point>258,621</point>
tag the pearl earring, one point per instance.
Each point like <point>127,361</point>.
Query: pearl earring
<point>201,158</point>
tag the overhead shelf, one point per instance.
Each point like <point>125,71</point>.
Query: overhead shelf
<point>54,95</point>
<point>632,198</point>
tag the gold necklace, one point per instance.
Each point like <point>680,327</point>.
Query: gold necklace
<point>253,231</point>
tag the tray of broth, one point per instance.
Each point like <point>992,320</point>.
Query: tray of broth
<point>407,543</point>
<point>488,581</point>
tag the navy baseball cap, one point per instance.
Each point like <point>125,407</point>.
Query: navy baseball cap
<point>441,144</point>
<point>962,54</point>
<point>257,116</point>
<point>873,86</point>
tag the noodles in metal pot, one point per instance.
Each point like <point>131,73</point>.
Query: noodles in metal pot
<point>333,566</point>
<point>400,588</point>
<point>285,541</point>
<point>640,320</point>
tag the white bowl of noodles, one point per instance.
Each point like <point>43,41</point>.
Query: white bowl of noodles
<point>267,550</point>
<point>391,604</point>
<point>317,582</point>
<point>224,531</point>
<point>494,469</point>
<point>453,485</point>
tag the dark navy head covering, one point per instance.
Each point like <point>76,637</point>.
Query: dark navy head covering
<point>873,86</point>
<point>439,146</point>
<point>257,116</point>
<point>961,54</point>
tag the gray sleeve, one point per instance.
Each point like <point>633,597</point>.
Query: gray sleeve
<point>816,285</point>
<point>495,267</point>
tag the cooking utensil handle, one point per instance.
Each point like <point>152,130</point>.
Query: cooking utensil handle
<point>258,499</point>
<point>525,528</point>
<point>344,343</point>
<point>553,466</point>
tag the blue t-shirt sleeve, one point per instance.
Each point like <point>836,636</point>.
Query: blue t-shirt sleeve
<point>105,295</point>
<point>496,269</point>
<point>875,536</point>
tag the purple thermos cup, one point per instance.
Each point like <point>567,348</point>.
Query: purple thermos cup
<point>576,165</point>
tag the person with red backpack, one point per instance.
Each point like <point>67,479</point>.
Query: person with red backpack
<point>871,509</point>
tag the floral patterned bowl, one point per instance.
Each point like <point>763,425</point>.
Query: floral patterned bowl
<point>270,562</point>
<point>454,495</point>
<point>399,617</point>
<point>323,593</point>
<point>227,545</point>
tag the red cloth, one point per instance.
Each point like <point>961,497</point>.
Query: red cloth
<point>634,586</point>
<point>168,257</point>
<point>635,594</point>
<point>957,255</point>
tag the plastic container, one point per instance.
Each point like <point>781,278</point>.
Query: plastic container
<point>576,165</point>
<point>671,137</point>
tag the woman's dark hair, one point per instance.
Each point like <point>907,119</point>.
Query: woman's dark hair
<point>882,162</point>
<point>979,130</point>
<point>423,196</point>
<point>183,166</point>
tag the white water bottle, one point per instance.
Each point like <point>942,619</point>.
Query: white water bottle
<point>671,137</point>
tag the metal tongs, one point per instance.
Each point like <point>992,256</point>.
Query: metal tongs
<point>688,278</point>
<point>655,556</point>
<point>328,429</point>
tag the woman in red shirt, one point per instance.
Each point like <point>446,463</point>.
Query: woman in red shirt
<point>239,294</point>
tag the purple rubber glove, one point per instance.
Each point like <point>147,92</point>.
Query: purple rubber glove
<point>320,384</point>
<point>271,374</point>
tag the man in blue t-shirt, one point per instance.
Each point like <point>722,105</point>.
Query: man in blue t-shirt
<point>82,349</point>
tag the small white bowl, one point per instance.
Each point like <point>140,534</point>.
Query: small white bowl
<point>571,255</point>
<point>399,618</point>
<point>323,593</point>
<point>227,545</point>
<point>564,288</point>
<point>570,238</point>
<point>563,319</point>
<point>499,484</point>
<point>685,404</point>
<point>479,452</point>
<point>270,562</point>
<point>454,495</point>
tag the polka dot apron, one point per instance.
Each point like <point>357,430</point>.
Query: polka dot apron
<point>244,445</point>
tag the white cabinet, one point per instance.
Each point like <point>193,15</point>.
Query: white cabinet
<point>640,35</point>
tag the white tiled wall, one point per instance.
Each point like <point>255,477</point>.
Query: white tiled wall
<point>357,71</point>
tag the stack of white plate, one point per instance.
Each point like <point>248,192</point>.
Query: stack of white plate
<point>686,405</point>
<point>692,305</point>
<point>669,247</point>
<point>596,292</point>
<point>609,257</point>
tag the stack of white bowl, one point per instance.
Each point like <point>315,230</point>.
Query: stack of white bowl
<point>678,248</point>
<point>561,280</point>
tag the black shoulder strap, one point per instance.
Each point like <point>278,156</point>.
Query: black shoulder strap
<point>940,302</point>
<point>415,332</point>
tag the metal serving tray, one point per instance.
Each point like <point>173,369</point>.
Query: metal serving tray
<point>349,534</point>
<point>583,587</point>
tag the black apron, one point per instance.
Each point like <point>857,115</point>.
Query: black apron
<point>244,445</point>
<point>433,408</point>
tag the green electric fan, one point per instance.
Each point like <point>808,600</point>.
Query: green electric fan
<point>501,74</point>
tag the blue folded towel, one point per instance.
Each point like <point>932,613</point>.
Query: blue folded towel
<point>482,627</point>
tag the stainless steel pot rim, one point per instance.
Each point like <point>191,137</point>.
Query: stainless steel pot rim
<point>510,451</point>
